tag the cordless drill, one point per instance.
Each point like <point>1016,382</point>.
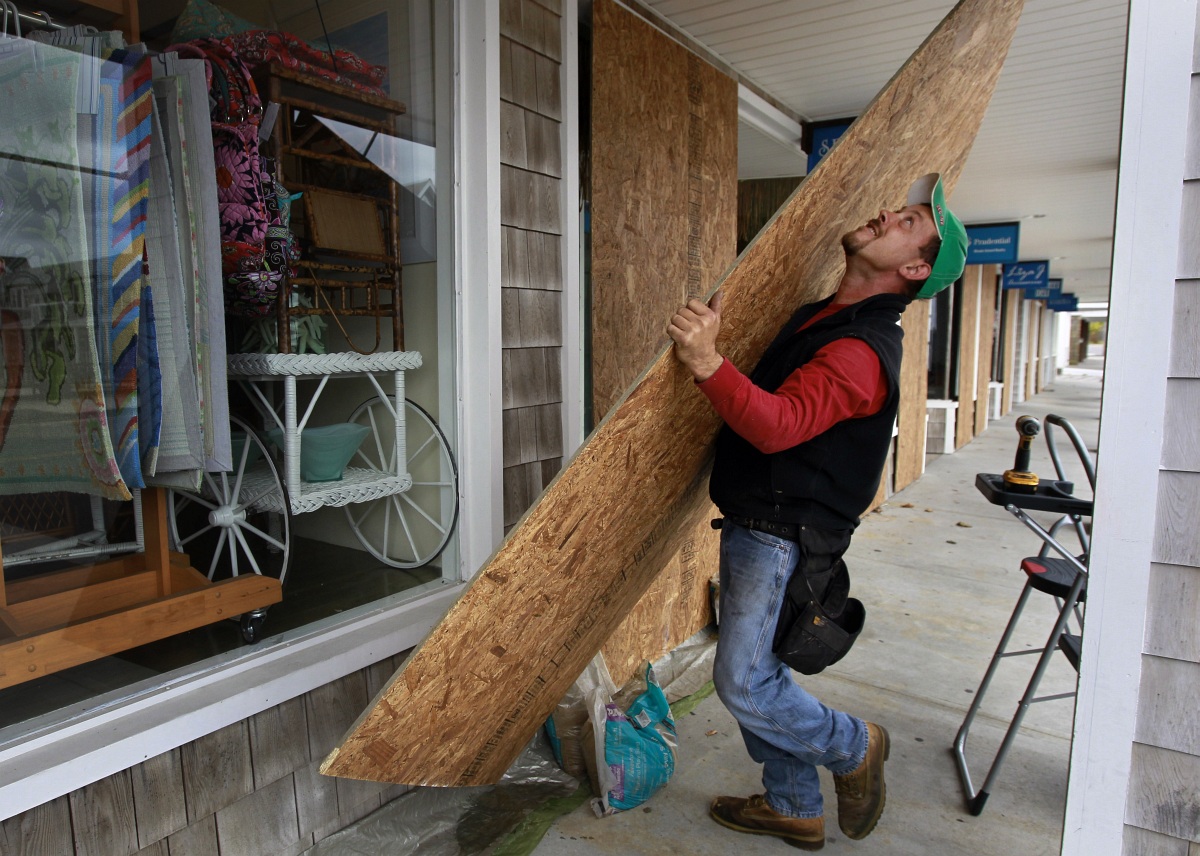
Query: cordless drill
<point>1019,478</point>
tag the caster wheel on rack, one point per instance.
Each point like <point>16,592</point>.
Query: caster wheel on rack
<point>252,624</point>
<point>239,522</point>
<point>409,529</point>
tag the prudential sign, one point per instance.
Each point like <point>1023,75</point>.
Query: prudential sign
<point>992,243</point>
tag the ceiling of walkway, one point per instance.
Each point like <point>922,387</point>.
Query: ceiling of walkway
<point>1046,155</point>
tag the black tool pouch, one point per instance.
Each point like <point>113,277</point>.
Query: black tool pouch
<point>815,633</point>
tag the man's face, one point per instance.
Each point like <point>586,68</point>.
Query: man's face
<point>893,239</point>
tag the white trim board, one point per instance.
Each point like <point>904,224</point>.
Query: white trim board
<point>1145,249</point>
<point>477,242</point>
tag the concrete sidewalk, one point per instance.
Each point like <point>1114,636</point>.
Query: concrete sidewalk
<point>937,568</point>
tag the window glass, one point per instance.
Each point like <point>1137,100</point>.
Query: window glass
<point>250,179</point>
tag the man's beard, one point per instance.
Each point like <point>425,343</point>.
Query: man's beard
<point>850,244</point>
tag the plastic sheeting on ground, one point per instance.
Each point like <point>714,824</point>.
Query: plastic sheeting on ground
<point>508,818</point>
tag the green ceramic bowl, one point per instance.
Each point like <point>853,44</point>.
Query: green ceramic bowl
<point>325,451</point>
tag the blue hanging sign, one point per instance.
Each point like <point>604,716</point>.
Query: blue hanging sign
<point>1052,289</point>
<point>992,243</point>
<point>822,136</point>
<point>1063,303</point>
<point>1026,275</point>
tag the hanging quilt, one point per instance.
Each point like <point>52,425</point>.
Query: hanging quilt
<point>114,146</point>
<point>54,432</point>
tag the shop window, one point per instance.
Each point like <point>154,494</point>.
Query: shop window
<point>130,246</point>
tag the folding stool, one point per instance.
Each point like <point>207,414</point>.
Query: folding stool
<point>1064,577</point>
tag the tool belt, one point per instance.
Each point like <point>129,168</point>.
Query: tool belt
<point>790,531</point>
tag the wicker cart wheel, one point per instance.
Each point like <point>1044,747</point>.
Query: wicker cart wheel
<point>409,529</point>
<point>239,522</point>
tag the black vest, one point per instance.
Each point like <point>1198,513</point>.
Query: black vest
<point>829,480</point>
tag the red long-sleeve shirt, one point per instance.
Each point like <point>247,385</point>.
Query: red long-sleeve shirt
<point>843,380</point>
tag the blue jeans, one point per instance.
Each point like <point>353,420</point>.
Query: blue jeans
<point>785,728</point>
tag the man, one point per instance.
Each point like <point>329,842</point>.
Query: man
<point>798,461</point>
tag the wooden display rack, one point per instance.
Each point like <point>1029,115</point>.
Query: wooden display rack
<point>350,227</point>
<point>59,619</point>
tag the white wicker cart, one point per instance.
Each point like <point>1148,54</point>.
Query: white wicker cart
<point>399,492</point>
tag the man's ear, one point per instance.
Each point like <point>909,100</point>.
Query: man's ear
<point>916,270</point>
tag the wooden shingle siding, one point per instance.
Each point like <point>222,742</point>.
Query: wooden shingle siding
<point>1185,350</point>
<point>1176,536</point>
<point>217,770</point>
<point>249,788</point>
<point>1169,699</point>
<point>102,817</point>
<point>1189,249</point>
<point>45,829</point>
<point>274,749</point>
<point>1174,603</point>
<point>199,839</point>
<point>316,798</point>
<point>1181,440</point>
<point>1143,842</point>
<point>531,171</point>
<point>1164,792</point>
<point>158,797</point>
<point>262,822</point>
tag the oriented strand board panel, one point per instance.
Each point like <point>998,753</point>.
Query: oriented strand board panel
<point>914,389</point>
<point>987,320</point>
<point>664,228</point>
<point>968,339</point>
<point>467,701</point>
<point>664,190</point>
<point>1011,307</point>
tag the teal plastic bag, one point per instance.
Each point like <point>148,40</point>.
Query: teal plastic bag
<point>636,756</point>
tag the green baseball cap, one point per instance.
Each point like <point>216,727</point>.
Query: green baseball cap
<point>952,257</point>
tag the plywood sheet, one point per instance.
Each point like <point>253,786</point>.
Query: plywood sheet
<point>914,389</point>
<point>664,190</point>
<point>1011,306</point>
<point>485,679</point>
<point>968,339</point>
<point>679,197</point>
<point>987,335</point>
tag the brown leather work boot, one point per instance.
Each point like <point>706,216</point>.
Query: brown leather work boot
<point>753,815</point>
<point>861,792</point>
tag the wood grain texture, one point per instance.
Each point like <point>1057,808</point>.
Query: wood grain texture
<point>1185,345</point>
<point>1176,535</point>
<point>647,194</point>
<point>1167,705</point>
<point>276,748</point>
<point>199,839</point>
<point>486,678</point>
<point>102,817</point>
<point>1012,317</point>
<point>987,320</point>
<point>262,822</point>
<point>217,770</point>
<point>1173,602</point>
<point>1181,440</point>
<point>42,831</point>
<point>914,389</point>
<point>1033,335</point>
<point>968,340</point>
<point>680,196</point>
<point>158,797</point>
<point>1164,792</point>
<point>1142,842</point>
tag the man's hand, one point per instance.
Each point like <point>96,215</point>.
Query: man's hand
<point>694,330</point>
